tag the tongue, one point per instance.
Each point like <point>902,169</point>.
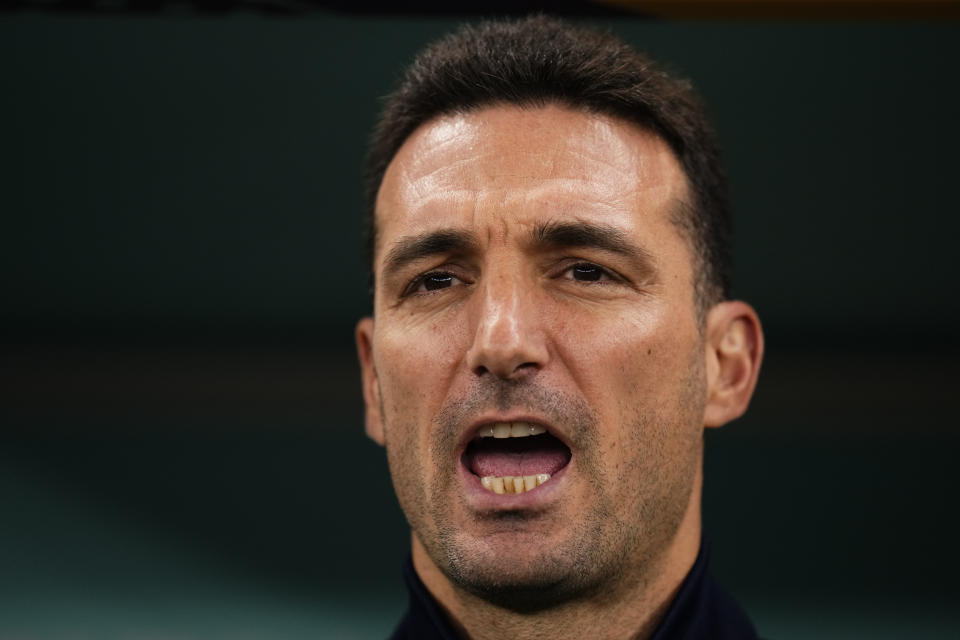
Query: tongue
<point>516,456</point>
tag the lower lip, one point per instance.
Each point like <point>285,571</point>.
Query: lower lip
<point>483,499</point>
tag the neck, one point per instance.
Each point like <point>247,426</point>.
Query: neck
<point>629,609</point>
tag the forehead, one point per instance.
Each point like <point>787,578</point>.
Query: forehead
<point>522,166</point>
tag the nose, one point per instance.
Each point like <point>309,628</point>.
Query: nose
<point>509,341</point>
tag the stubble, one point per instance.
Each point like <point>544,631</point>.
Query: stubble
<point>616,539</point>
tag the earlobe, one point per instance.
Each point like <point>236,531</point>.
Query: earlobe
<point>371,385</point>
<point>734,344</point>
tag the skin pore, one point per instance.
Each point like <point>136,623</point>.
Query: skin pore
<point>527,269</point>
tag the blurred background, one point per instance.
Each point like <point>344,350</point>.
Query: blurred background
<point>181,443</point>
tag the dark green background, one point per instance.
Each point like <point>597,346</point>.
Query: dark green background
<point>182,451</point>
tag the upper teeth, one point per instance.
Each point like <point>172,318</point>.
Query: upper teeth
<point>510,430</point>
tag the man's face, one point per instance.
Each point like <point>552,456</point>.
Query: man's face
<point>528,271</point>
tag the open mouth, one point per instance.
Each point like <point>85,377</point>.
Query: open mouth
<point>514,457</point>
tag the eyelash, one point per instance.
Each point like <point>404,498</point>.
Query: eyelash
<point>606,274</point>
<point>415,284</point>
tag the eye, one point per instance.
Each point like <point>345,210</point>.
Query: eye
<point>588,272</point>
<point>432,281</point>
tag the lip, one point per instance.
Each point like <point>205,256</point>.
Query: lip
<point>482,499</point>
<point>471,432</point>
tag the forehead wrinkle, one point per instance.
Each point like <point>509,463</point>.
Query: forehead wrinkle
<point>559,162</point>
<point>604,148</point>
<point>483,169</point>
<point>427,180</point>
<point>494,213</point>
<point>583,158</point>
<point>565,196</point>
<point>442,131</point>
<point>457,165</point>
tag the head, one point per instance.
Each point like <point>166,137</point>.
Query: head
<point>549,241</point>
<point>539,61</point>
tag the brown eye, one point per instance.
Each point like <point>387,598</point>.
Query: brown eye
<point>434,281</point>
<point>430,282</point>
<point>587,273</point>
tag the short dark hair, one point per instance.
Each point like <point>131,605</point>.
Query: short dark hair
<point>539,60</point>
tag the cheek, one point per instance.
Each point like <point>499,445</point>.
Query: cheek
<point>618,355</point>
<point>414,367</point>
<point>403,396</point>
<point>634,365</point>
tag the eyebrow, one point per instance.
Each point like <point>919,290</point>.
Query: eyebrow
<point>412,248</point>
<point>551,235</point>
<point>569,235</point>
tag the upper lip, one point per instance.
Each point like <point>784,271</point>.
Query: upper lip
<point>485,420</point>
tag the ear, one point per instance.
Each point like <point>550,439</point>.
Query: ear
<point>371,386</point>
<point>734,344</point>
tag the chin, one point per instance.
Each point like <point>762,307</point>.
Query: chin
<point>523,573</point>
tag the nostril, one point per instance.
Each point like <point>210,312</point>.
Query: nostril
<point>520,371</point>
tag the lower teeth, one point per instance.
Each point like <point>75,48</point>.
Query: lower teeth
<point>513,484</point>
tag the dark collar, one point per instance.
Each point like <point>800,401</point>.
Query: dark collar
<point>701,610</point>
